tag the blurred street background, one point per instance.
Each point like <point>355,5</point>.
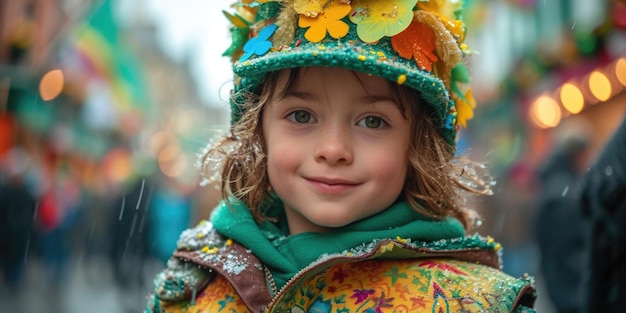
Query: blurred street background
<point>105,104</point>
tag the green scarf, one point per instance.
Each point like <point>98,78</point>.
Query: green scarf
<point>286,254</point>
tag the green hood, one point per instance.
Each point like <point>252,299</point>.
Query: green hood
<point>286,254</point>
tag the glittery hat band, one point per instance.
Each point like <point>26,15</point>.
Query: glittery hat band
<point>413,43</point>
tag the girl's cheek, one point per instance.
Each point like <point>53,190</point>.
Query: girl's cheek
<point>282,155</point>
<point>392,169</point>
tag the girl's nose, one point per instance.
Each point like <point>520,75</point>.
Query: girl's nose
<point>334,147</point>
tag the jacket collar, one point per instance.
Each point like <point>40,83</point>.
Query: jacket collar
<point>283,253</point>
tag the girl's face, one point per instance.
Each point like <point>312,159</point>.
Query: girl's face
<point>336,147</point>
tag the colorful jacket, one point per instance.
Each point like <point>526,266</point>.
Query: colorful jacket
<point>211,273</point>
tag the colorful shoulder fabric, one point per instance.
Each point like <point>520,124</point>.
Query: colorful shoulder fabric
<point>416,43</point>
<point>458,275</point>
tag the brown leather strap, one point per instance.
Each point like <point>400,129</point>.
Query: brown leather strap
<point>485,257</point>
<point>241,268</point>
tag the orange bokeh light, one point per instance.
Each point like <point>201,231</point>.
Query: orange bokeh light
<point>51,85</point>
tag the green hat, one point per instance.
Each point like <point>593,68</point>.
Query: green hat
<point>415,43</point>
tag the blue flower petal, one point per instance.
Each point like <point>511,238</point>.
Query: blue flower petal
<point>259,45</point>
<point>266,32</point>
<point>246,56</point>
<point>263,47</point>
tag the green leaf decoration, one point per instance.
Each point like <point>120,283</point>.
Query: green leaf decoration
<point>460,74</point>
<point>239,37</point>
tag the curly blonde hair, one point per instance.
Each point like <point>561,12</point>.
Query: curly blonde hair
<point>434,182</point>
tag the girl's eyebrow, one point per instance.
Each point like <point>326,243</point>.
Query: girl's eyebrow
<point>369,99</point>
<point>382,101</point>
<point>299,94</point>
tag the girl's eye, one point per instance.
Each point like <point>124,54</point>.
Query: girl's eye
<point>372,122</point>
<point>300,116</point>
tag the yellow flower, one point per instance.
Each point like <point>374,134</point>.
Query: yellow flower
<point>465,108</point>
<point>376,19</point>
<point>328,21</point>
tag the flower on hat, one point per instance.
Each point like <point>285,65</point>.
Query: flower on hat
<point>464,102</point>
<point>310,8</point>
<point>239,34</point>
<point>446,10</point>
<point>465,108</point>
<point>328,21</point>
<point>376,19</point>
<point>242,20</point>
<point>259,45</point>
<point>418,42</point>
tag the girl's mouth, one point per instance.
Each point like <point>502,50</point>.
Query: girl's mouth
<point>331,185</point>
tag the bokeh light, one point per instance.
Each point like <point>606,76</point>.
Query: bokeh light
<point>620,71</point>
<point>117,166</point>
<point>600,86</point>
<point>572,98</point>
<point>545,112</point>
<point>51,85</point>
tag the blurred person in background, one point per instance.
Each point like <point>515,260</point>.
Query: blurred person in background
<point>58,211</point>
<point>604,203</point>
<point>169,214</point>
<point>560,227</point>
<point>129,248</point>
<point>17,208</point>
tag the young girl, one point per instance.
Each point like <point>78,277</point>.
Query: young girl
<point>340,185</point>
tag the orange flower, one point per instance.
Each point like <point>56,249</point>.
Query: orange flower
<point>327,22</point>
<point>418,42</point>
